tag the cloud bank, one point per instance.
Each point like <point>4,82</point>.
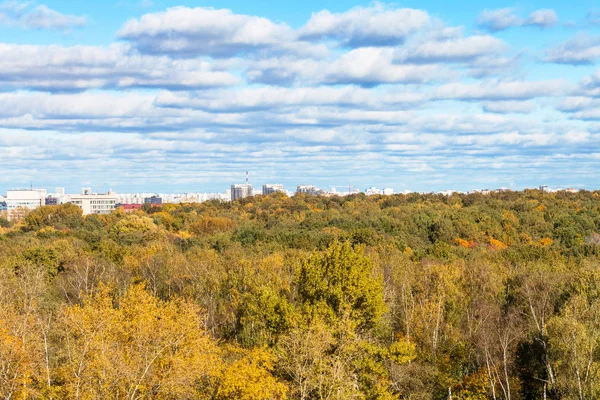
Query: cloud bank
<point>190,97</point>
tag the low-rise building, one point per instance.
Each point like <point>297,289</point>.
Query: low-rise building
<point>24,199</point>
<point>130,208</point>
<point>153,200</point>
<point>52,201</point>
<point>93,203</point>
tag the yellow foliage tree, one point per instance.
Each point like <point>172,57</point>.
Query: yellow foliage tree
<point>17,364</point>
<point>142,348</point>
<point>249,378</point>
<point>497,244</point>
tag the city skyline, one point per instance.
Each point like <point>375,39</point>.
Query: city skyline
<point>291,186</point>
<point>176,96</point>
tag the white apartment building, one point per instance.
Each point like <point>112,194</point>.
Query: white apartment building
<point>93,203</point>
<point>241,191</point>
<point>309,189</point>
<point>270,188</point>
<point>24,199</point>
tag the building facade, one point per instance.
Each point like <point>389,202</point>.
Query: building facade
<point>271,188</point>
<point>153,200</point>
<point>241,191</point>
<point>308,189</point>
<point>17,201</point>
<point>92,203</point>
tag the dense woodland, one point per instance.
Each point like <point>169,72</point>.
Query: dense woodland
<point>395,297</point>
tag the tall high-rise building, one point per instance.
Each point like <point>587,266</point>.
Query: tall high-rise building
<point>270,188</point>
<point>308,189</point>
<point>241,191</point>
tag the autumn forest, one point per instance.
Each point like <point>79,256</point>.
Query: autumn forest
<point>383,297</point>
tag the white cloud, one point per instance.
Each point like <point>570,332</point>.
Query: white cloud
<point>502,90</point>
<point>590,85</point>
<point>461,49</point>
<point>504,18</point>
<point>376,25</point>
<point>42,17</point>
<point>580,49</point>
<point>365,66</point>
<point>581,107</point>
<point>271,98</point>
<point>578,103</point>
<point>372,66</point>
<point>499,19</point>
<point>543,18</point>
<point>374,91</point>
<point>190,32</point>
<point>509,107</point>
<point>86,67</point>
<point>20,14</point>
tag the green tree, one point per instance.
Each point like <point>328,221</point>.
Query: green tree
<point>342,280</point>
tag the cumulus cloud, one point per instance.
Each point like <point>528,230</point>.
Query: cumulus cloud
<point>503,90</point>
<point>504,18</point>
<point>191,32</point>
<point>43,17</point>
<point>590,85</point>
<point>543,18</point>
<point>581,108</point>
<point>509,107</point>
<point>376,25</point>
<point>17,13</point>
<point>57,68</point>
<point>270,98</point>
<point>373,91</point>
<point>370,66</point>
<point>578,103</point>
<point>462,49</point>
<point>580,49</point>
<point>365,66</point>
<point>499,19</point>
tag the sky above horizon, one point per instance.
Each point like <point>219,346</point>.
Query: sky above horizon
<point>185,96</point>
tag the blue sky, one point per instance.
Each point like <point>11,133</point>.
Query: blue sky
<point>186,96</point>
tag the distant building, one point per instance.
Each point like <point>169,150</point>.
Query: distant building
<point>241,191</point>
<point>272,188</point>
<point>308,189</point>
<point>24,199</point>
<point>52,201</point>
<point>154,200</point>
<point>92,203</point>
<point>544,188</point>
<point>129,208</point>
<point>372,191</point>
